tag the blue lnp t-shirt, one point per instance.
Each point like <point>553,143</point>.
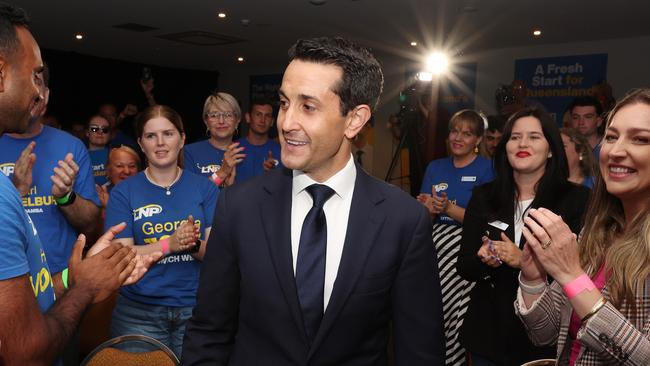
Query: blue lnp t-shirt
<point>20,251</point>
<point>442,176</point>
<point>151,215</point>
<point>99,160</point>
<point>253,163</point>
<point>52,145</point>
<point>202,158</point>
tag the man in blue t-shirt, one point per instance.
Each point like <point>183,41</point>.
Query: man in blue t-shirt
<point>34,328</point>
<point>52,171</point>
<point>262,153</point>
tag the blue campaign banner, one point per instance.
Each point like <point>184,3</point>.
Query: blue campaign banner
<point>555,81</point>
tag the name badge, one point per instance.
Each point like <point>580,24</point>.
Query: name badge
<point>499,225</point>
<point>468,179</point>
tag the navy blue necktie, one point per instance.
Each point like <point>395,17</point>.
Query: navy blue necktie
<point>310,266</point>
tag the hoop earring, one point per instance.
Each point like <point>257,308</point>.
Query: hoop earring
<point>550,155</point>
<point>476,149</point>
<point>207,132</point>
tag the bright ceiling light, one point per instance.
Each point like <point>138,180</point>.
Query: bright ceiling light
<point>221,15</point>
<point>537,32</point>
<point>240,59</point>
<point>437,63</point>
<point>414,44</point>
<point>79,36</point>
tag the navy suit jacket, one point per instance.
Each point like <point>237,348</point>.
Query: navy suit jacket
<point>247,310</point>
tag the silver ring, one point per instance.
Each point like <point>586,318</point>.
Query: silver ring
<point>547,244</point>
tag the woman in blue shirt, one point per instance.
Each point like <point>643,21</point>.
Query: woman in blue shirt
<point>446,190</point>
<point>166,209</point>
<point>218,156</point>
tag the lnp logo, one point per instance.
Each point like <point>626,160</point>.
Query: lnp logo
<point>440,187</point>
<point>146,211</point>
<point>7,168</point>
<point>212,168</point>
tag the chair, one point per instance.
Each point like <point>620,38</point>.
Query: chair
<point>544,362</point>
<point>106,354</point>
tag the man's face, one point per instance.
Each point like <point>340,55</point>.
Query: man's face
<point>260,118</point>
<point>22,77</point>
<point>492,139</point>
<point>311,128</point>
<point>585,120</point>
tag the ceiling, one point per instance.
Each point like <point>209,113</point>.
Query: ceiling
<point>388,26</point>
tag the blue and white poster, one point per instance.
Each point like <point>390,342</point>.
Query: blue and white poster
<point>555,81</point>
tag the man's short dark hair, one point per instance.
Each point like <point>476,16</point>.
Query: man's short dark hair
<point>10,18</point>
<point>586,101</point>
<point>260,101</point>
<point>362,79</point>
<point>496,123</point>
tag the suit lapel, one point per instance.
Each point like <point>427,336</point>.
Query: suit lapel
<point>276,221</point>
<point>364,223</point>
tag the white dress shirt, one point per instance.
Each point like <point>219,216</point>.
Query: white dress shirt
<point>337,210</point>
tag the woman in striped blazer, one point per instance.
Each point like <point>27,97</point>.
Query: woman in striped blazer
<point>598,309</point>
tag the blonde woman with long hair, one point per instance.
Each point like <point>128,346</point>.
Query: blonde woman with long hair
<point>598,309</point>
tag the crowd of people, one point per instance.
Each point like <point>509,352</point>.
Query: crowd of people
<point>528,241</point>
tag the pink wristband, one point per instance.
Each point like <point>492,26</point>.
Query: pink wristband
<point>216,179</point>
<point>578,285</point>
<point>164,245</point>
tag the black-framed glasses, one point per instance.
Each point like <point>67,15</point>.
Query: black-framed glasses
<point>220,115</point>
<point>98,129</point>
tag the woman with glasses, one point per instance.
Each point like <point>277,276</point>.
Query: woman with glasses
<point>98,134</point>
<point>166,209</point>
<point>218,156</point>
<point>531,172</point>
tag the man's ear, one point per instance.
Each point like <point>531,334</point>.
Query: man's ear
<point>247,117</point>
<point>600,121</point>
<point>357,118</point>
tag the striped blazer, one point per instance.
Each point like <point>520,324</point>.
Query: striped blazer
<point>609,337</point>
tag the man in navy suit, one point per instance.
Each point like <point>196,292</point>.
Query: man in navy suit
<point>283,285</point>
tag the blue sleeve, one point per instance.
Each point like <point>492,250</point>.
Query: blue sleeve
<point>210,202</point>
<point>84,185</point>
<point>119,210</point>
<point>427,181</point>
<point>13,260</point>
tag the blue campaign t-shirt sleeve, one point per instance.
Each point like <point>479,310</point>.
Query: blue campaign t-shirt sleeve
<point>429,176</point>
<point>211,194</point>
<point>13,261</point>
<point>119,210</point>
<point>84,184</point>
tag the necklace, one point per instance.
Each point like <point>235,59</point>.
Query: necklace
<point>167,188</point>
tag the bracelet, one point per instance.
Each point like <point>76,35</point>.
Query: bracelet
<point>164,245</point>
<point>599,304</point>
<point>532,289</point>
<point>216,179</point>
<point>66,200</point>
<point>578,285</point>
<point>64,278</point>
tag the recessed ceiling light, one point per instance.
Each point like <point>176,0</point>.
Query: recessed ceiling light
<point>414,44</point>
<point>79,36</point>
<point>537,32</point>
<point>240,59</point>
<point>221,15</point>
